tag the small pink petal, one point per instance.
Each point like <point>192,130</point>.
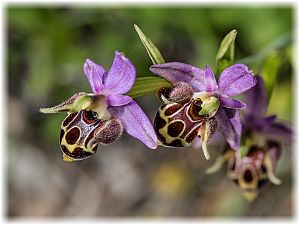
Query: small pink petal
<point>210,80</point>
<point>95,74</point>
<point>231,103</point>
<point>118,100</point>
<point>121,75</point>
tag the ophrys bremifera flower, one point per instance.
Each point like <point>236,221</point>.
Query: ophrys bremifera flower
<point>101,116</point>
<point>262,137</point>
<point>203,102</point>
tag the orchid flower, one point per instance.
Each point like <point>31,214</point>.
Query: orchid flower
<point>255,164</point>
<point>216,96</point>
<point>101,116</point>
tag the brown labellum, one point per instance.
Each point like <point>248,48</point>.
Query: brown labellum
<point>178,124</point>
<point>82,131</point>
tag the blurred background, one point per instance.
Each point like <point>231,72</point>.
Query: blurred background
<point>47,47</point>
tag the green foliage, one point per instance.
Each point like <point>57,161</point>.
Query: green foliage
<point>147,85</point>
<point>225,55</point>
<point>282,101</point>
<point>280,42</point>
<point>152,50</point>
<point>270,71</point>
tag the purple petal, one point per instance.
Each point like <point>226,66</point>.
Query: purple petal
<point>121,75</point>
<point>231,103</point>
<point>210,80</point>
<point>118,100</point>
<point>264,123</point>
<point>258,124</point>
<point>181,72</point>
<point>95,74</point>
<point>279,131</point>
<point>136,123</point>
<point>256,100</point>
<point>230,126</point>
<point>235,80</point>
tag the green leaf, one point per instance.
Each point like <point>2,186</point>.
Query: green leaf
<point>152,50</point>
<point>147,85</point>
<point>225,55</point>
<point>270,71</point>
